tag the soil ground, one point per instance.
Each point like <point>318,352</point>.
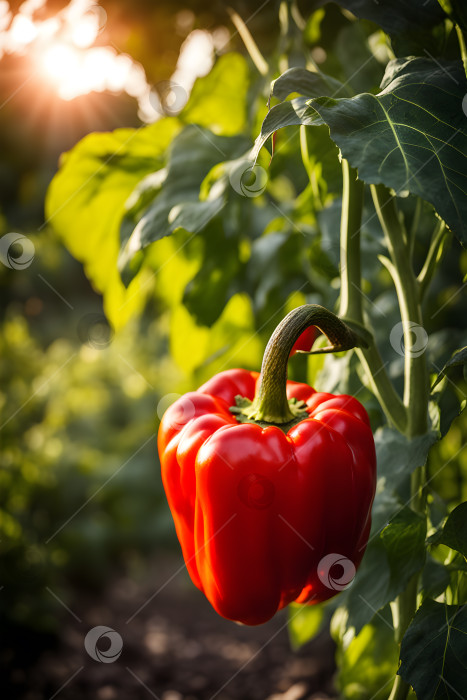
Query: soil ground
<point>175,647</point>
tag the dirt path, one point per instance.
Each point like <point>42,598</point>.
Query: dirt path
<point>175,648</point>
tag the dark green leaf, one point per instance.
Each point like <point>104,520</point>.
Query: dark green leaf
<point>459,358</point>
<point>377,134</point>
<point>397,456</point>
<point>291,113</point>
<point>208,292</point>
<point>435,578</point>
<point>306,83</point>
<point>392,558</point>
<point>454,532</point>
<point>434,652</point>
<point>193,153</point>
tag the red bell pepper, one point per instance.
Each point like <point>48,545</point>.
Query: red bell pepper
<point>270,483</point>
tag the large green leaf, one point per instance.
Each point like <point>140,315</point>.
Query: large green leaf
<point>218,101</point>
<point>192,154</point>
<point>305,82</point>
<point>412,136</point>
<point>86,201</point>
<point>434,652</point>
<point>398,456</point>
<point>392,557</point>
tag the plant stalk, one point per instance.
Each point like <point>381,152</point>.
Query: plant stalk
<point>416,384</point>
<point>351,299</point>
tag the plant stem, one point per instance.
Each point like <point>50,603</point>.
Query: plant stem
<point>416,385</point>
<point>270,404</point>
<point>462,46</point>
<point>351,219</point>
<point>351,300</point>
<point>436,247</point>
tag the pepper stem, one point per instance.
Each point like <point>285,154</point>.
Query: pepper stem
<point>270,404</point>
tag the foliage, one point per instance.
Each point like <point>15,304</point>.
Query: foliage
<point>77,415</point>
<point>227,245</point>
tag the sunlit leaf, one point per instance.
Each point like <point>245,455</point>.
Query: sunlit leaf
<point>86,201</point>
<point>305,621</point>
<point>192,154</point>
<point>218,101</point>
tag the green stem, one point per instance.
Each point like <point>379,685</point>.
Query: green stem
<point>310,170</point>
<point>351,299</point>
<point>434,253</point>
<point>351,219</point>
<point>416,384</point>
<point>462,46</point>
<point>270,404</point>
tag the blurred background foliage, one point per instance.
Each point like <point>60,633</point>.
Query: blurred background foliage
<point>80,490</point>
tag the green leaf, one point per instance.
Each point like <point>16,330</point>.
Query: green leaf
<point>434,652</point>
<point>305,621</point>
<point>454,532</point>
<point>86,202</point>
<point>218,101</point>
<point>398,456</point>
<point>435,578</point>
<point>458,359</point>
<point>393,556</point>
<point>192,154</point>
<point>292,113</point>
<point>208,292</point>
<point>377,134</point>
<point>306,83</point>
